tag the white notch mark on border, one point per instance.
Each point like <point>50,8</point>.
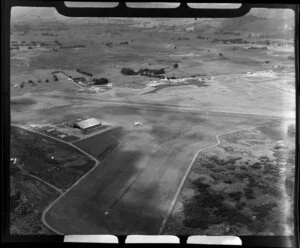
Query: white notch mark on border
<point>214,240</point>
<point>91,239</point>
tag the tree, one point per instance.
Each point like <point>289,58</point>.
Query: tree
<point>128,71</point>
<point>100,81</point>
<point>200,37</point>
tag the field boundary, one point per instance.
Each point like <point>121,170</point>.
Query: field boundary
<point>39,179</point>
<point>62,194</point>
<point>165,220</point>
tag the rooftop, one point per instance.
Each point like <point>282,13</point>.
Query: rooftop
<point>87,123</point>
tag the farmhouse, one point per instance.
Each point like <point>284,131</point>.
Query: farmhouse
<point>87,124</point>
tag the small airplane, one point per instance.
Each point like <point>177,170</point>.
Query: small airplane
<point>138,123</point>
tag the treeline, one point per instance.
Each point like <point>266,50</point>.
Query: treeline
<point>242,41</point>
<point>33,83</point>
<point>231,33</point>
<point>58,43</point>
<point>84,72</point>
<point>74,46</point>
<point>200,37</point>
<point>110,44</point>
<point>157,73</point>
<point>143,72</point>
<point>257,48</point>
<point>49,34</point>
<point>232,41</point>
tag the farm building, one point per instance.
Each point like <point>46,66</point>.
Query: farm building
<point>87,124</point>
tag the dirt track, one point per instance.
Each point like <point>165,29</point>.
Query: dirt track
<point>133,188</point>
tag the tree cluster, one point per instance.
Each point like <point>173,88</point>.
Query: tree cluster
<point>100,81</point>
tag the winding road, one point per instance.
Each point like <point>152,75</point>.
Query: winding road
<point>97,162</point>
<point>190,167</point>
<point>62,194</point>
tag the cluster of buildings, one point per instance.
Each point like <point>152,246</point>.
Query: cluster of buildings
<point>67,131</point>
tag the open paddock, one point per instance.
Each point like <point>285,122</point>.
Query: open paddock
<point>52,161</point>
<point>144,171</point>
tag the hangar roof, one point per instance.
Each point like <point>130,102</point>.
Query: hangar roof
<point>88,123</point>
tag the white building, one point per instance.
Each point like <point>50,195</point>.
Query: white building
<point>88,123</point>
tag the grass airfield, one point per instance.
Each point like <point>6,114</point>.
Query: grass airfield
<point>141,168</point>
<point>146,169</point>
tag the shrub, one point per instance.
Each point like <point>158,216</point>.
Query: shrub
<point>230,167</point>
<point>258,226</point>
<point>175,65</point>
<point>219,176</point>
<point>274,191</point>
<point>240,205</point>
<point>151,71</point>
<point>263,210</point>
<point>256,166</point>
<point>200,37</point>
<point>249,194</point>
<point>253,181</point>
<point>128,71</point>
<point>57,42</point>
<point>271,170</point>
<point>242,175</point>
<point>264,158</point>
<point>208,165</point>
<point>200,185</point>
